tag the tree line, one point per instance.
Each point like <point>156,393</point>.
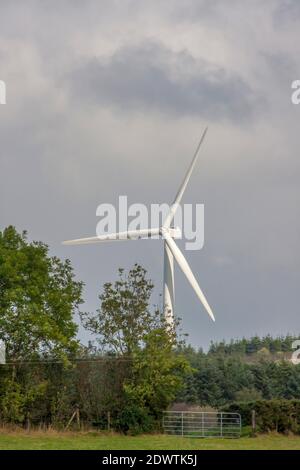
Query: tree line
<point>254,345</point>
<point>218,379</point>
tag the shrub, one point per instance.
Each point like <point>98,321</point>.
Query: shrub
<point>134,420</point>
<point>271,415</point>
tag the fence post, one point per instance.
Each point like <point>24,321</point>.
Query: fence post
<point>221,433</point>
<point>108,420</point>
<point>202,424</point>
<point>253,422</point>
<point>182,423</point>
<point>78,417</point>
<point>70,420</point>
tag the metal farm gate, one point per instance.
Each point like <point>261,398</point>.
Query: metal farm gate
<point>202,424</point>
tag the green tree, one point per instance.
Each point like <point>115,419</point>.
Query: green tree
<point>38,299</point>
<point>157,372</point>
<point>130,331</point>
<point>124,316</point>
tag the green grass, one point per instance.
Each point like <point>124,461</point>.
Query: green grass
<point>97,441</point>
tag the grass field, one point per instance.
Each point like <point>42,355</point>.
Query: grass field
<point>97,441</point>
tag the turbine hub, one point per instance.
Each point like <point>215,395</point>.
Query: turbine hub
<point>174,232</point>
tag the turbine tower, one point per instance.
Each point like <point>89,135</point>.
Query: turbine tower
<point>171,250</point>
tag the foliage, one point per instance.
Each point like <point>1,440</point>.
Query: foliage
<point>128,328</point>
<point>38,298</point>
<point>218,379</point>
<point>16,401</point>
<point>254,345</point>
<point>248,394</point>
<point>134,419</point>
<point>271,415</point>
<point>157,372</point>
<point>124,316</point>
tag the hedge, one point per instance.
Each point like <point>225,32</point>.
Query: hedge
<point>271,415</point>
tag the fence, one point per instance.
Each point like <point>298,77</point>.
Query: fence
<point>202,424</point>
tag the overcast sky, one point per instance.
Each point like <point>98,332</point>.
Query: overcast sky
<point>110,97</point>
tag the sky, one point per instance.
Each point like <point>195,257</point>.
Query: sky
<point>108,98</point>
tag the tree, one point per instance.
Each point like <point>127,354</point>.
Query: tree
<point>129,331</point>
<point>157,372</point>
<point>38,298</point>
<point>124,316</point>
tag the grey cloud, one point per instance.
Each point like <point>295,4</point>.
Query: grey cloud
<point>286,11</point>
<point>152,77</point>
<point>60,158</point>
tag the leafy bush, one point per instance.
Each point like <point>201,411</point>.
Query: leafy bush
<point>134,420</point>
<point>271,415</point>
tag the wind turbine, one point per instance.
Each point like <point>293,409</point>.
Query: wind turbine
<point>171,250</point>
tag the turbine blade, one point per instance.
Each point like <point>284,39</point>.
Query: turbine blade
<point>181,190</point>
<point>118,236</point>
<point>188,272</point>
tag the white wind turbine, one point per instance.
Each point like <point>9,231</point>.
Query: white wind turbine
<point>171,250</point>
